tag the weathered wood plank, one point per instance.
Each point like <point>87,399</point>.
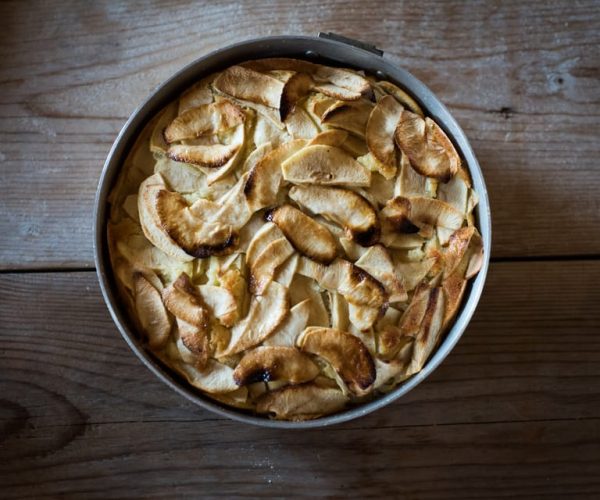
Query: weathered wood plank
<point>513,411</point>
<point>522,80</point>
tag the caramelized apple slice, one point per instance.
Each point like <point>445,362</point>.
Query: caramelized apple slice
<point>347,355</point>
<point>306,235</point>
<point>275,363</point>
<point>204,119</point>
<point>301,402</point>
<point>427,146</point>
<point>343,207</point>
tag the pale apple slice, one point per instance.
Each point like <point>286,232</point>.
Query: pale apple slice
<point>377,262</point>
<point>363,317</point>
<point>387,371</point>
<point>403,242</point>
<point>301,402</point>
<point>215,378</point>
<point>352,249</point>
<point>347,355</point>
<point>151,312</point>
<point>428,148</point>
<point>158,145</point>
<point>264,180</point>
<point>338,307</point>
<point>256,156</point>
<point>324,165</point>
<point>409,182</point>
<point>238,137</point>
<point>221,302</point>
<point>264,236</point>
<point>198,360</point>
<point>180,177</point>
<point>206,119</point>
<point>374,165</point>
<point>412,273</point>
<point>299,124</point>
<point>184,301</point>
<point>381,190</point>
<point>455,192</point>
<point>355,146</point>
<point>249,85</point>
<point>343,207</point>
<point>266,313</point>
<point>234,281</point>
<point>401,96</point>
<point>266,263</point>
<point>333,137</point>
<point>150,221</point>
<point>306,235</point>
<point>127,240</point>
<point>318,104</point>
<point>197,95</point>
<point>380,130</point>
<point>292,326</point>
<point>275,363</point>
<point>351,116</point>
<point>193,344</point>
<point>210,156</point>
<point>336,92</point>
<point>285,273</point>
<point>265,131</point>
<point>357,286</point>
<point>475,256</point>
<point>302,288</point>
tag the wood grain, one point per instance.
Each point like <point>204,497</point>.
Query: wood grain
<point>522,79</point>
<point>513,411</point>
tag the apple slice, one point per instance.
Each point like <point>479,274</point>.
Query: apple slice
<point>344,207</point>
<point>275,363</point>
<point>324,165</point>
<point>428,148</point>
<point>306,235</point>
<point>347,355</point>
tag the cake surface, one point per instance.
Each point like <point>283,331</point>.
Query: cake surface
<point>293,238</point>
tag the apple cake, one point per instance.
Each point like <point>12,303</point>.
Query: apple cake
<point>292,238</point>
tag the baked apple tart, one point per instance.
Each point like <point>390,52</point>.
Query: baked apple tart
<point>293,238</point>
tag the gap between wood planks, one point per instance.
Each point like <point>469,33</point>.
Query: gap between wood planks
<point>493,260</point>
<point>346,426</point>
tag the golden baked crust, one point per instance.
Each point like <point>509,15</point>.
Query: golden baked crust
<point>293,238</point>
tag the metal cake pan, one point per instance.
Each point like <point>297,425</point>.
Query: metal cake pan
<point>326,48</point>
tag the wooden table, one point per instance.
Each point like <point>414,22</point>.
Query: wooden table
<point>514,411</point>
